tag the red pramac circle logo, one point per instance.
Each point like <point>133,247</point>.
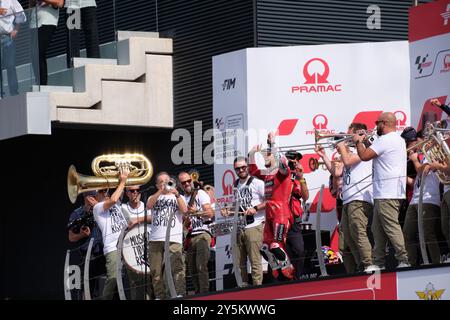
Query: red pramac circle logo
<point>227,182</point>
<point>316,77</point>
<point>401,118</point>
<point>320,122</point>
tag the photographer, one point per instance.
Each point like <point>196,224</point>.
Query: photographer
<point>294,243</point>
<point>81,229</point>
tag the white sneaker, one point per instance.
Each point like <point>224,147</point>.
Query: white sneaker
<point>403,265</point>
<point>372,268</point>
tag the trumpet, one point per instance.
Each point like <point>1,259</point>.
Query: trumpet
<point>171,184</point>
<point>314,164</point>
<point>106,171</point>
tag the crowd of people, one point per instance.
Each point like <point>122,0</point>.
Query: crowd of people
<point>377,188</point>
<point>43,18</point>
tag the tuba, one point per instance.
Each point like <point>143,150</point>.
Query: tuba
<point>106,171</point>
<point>435,148</point>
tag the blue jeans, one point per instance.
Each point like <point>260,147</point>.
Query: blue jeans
<point>8,61</point>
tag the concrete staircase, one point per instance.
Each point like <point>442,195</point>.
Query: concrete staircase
<point>136,89</point>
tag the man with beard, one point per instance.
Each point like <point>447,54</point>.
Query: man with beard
<point>389,187</point>
<point>199,237</point>
<point>278,187</point>
<point>252,205</point>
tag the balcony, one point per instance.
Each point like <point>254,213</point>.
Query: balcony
<point>130,86</point>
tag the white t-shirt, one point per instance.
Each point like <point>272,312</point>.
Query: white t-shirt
<point>389,167</point>
<point>46,15</point>
<point>197,222</point>
<point>357,182</point>
<point>130,213</point>
<point>111,222</point>
<point>431,193</point>
<point>164,206</point>
<point>14,15</point>
<point>250,196</point>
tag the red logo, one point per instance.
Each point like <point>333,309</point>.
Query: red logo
<point>430,112</point>
<point>316,77</point>
<point>401,120</point>
<point>446,63</point>
<point>367,117</point>
<point>316,82</point>
<point>228,179</point>
<point>320,122</point>
<point>286,127</point>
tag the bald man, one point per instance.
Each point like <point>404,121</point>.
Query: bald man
<point>389,187</point>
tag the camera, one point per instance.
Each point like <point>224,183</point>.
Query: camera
<point>86,221</point>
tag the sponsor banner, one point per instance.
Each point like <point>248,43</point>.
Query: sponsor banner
<point>429,60</point>
<point>349,288</point>
<point>427,284</point>
<point>296,91</point>
<point>437,17</point>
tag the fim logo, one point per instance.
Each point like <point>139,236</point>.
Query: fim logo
<point>229,84</point>
<point>430,293</point>
<point>422,63</point>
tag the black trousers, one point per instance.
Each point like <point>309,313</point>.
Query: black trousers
<point>41,40</point>
<point>89,27</point>
<point>296,249</point>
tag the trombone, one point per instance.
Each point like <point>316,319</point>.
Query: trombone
<point>342,137</point>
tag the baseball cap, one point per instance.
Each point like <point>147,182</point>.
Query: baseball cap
<point>409,134</point>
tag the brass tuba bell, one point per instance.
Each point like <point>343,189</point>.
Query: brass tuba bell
<point>106,171</point>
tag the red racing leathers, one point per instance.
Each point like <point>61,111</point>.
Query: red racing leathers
<point>278,188</point>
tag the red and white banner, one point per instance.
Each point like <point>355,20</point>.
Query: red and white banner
<point>425,284</point>
<point>297,90</point>
<point>429,36</point>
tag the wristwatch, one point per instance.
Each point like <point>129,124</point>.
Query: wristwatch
<point>255,207</point>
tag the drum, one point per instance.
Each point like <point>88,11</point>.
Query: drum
<point>133,248</point>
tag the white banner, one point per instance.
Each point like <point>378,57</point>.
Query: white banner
<point>296,90</point>
<point>428,284</point>
<point>430,60</point>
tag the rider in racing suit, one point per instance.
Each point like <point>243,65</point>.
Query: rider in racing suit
<point>278,188</point>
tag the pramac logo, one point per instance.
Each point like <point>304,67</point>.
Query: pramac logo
<point>227,182</point>
<point>316,81</point>
<point>320,123</point>
<point>400,123</point>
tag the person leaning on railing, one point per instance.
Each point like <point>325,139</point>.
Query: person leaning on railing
<point>11,16</point>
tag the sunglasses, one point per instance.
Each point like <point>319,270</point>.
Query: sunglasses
<point>379,121</point>
<point>102,191</point>
<point>240,168</point>
<point>134,191</point>
<point>187,181</point>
